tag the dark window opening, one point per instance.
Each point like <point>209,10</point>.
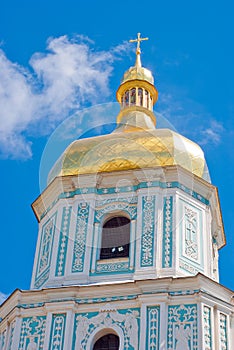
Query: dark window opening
<point>115,238</point>
<point>133,96</point>
<point>140,96</point>
<point>107,342</point>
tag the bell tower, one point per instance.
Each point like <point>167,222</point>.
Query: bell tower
<point>163,221</point>
<point>129,232</point>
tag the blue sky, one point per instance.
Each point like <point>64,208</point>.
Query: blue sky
<point>190,52</point>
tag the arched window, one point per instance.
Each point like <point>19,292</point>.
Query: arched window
<point>107,342</point>
<point>115,238</point>
<point>146,99</point>
<point>133,96</point>
<point>140,96</point>
<point>126,98</point>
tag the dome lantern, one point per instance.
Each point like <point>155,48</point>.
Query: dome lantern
<point>137,94</point>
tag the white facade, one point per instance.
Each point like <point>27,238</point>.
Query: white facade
<point>172,233</point>
<point>150,300</point>
<point>181,313</point>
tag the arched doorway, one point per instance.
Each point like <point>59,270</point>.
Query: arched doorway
<point>107,342</point>
<point>115,238</point>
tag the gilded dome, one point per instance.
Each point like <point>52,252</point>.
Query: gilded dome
<point>135,144</point>
<point>138,73</point>
<point>128,151</point>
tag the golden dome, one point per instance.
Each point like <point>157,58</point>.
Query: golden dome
<point>135,143</point>
<point>138,73</point>
<point>128,151</point>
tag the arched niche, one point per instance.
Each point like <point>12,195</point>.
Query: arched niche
<point>115,237</point>
<point>108,341</point>
<point>102,332</point>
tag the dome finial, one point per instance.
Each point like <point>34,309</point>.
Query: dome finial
<point>138,49</point>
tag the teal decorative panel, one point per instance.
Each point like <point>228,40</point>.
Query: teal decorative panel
<point>153,330</point>
<point>2,340</point>
<point>207,328</point>
<point>182,327</point>
<point>12,328</point>
<point>80,237</point>
<point>223,332</point>
<point>191,231</point>
<point>147,236</point>
<point>191,241</point>
<point>63,241</point>
<point>32,333</point>
<point>112,267</point>
<point>45,252</point>
<point>167,232</point>
<point>57,332</point>
<point>127,320</point>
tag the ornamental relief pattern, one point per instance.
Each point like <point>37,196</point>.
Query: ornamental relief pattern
<point>63,241</point>
<point>57,332</point>
<point>147,237</point>
<point>2,339</point>
<point>12,328</point>
<point>153,340</point>
<point>223,332</point>
<point>80,237</point>
<point>112,267</point>
<point>32,333</point>
<point>45,251</point>
<point>108,317</point>
<point>167,232</point>
<point>182,327</point>
<point>116,204</point>
<point>207,327</point>
<point>191,233</point>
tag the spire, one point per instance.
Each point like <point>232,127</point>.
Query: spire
<point>137,95</point>
<point>138,40</point>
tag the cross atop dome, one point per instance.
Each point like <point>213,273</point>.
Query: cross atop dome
<point>138,40</point>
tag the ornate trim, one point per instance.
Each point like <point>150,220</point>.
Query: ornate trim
<point>182,327</point>
<point>32,333</point>
<point>109,205</point>
<point>80,237</point>
<point>45,252</point>
<point>167,232</point>
<point>147,237</point>
<point>117,266</point>
<point>2,339</point>
<point>57,332</point>
<point>126,189</point>
<point>223,332</point>
<point>107,317</point>
<point>207,327</point>
<point>191,249</point>
<point>11,335</point>
<point>153,330</point>
<point>191,252</point>
<point>63,241</point>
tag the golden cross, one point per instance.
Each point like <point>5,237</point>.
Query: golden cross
<point>138,41</point>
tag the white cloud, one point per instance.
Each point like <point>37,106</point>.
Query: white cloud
<point>3,297</point>
<point>213,133</point>
<point>190,119</point>
<point>69,75</point>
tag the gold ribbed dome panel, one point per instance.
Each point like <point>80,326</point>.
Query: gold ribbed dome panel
<point>138,73</point>
<point>128,151</point>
